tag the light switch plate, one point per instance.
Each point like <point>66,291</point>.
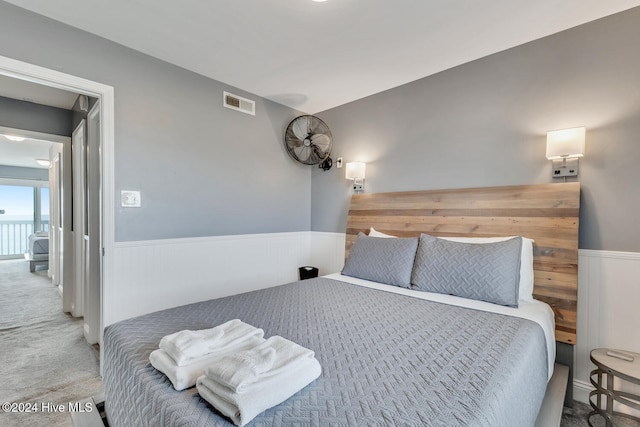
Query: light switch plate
<point>130,199</point>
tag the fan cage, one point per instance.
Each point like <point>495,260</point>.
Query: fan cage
<point>308,140</point>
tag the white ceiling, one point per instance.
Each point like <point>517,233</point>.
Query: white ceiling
<point>36,93</point>
<point>23,153</point>
<point>315,56</point>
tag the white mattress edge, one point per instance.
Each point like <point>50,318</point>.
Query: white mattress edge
<point>536,311</point>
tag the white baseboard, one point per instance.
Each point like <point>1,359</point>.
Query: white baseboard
<point>581,391</point>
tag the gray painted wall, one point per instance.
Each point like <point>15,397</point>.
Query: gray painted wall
<point>34,117</point>
<point>205,170</point>
<point>484,124</point>
<point>202,169</point>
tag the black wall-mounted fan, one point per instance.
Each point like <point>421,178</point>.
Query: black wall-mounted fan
<point>308,140</point>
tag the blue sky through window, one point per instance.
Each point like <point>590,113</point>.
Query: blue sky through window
<point>17,203</point>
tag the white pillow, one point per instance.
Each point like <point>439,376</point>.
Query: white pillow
<point>526,261</point>
<point>374,233</point>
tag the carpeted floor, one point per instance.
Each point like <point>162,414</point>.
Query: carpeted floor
<point>44,359</point>
<point>577,416</point>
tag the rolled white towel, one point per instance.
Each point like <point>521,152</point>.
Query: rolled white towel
<point>268,391</point>
<point>237,371</point>
<point>183,377</point>
<point>185,346</point>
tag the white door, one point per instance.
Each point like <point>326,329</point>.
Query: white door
<point>93,260</point>
<point>66,232</point>
<point>78,158</point>
<point>55,217</point>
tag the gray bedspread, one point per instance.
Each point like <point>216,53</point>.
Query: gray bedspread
<point>387,360</point>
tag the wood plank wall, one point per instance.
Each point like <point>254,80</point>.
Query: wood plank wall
<point>547,213</point>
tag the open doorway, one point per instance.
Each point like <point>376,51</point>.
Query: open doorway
<point>25,199</point>
<point>34,162</point>
<point>46,353</point>
<point>104,115</point>
<point>24,214</point>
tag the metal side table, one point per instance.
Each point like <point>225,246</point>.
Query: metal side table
<point>614,363</point>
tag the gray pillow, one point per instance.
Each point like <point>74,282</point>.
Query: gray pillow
<point>388,261</point>
<point>486,272</point>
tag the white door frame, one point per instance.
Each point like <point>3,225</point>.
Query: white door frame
<point>78,166</point>
<point>55,211</point>
<point>92,308</point>
<point>37,74</point>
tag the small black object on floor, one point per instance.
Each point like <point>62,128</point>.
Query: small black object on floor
<point>307,272</point>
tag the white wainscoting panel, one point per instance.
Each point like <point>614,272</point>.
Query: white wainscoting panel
<point>158,274</point>
<point>608,310</point>
<point>327,251</point>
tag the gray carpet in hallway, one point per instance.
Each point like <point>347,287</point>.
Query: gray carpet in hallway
<point>44,358</point>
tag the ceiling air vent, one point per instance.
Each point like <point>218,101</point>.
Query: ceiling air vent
<point>239,103</point>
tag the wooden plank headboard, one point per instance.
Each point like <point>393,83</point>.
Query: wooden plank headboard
<point>547,213</point>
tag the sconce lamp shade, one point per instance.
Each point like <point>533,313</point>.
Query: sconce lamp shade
<point>355,170</point>
<point>566,143</point>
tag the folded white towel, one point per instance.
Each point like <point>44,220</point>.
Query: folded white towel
<point>185,346</point>
<point>268,391</point>
<point>238,371</point>
<point>183,377</point>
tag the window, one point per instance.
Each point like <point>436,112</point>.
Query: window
<point>23,210</point>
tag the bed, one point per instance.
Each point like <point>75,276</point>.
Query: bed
<point>38,253</point>
<point>390,354</point>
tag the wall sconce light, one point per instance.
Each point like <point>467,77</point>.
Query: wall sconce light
<point>564,148</point>
<point>355,171</point>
